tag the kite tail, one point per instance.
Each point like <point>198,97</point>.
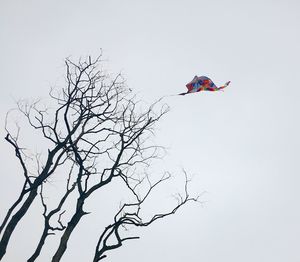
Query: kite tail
<point>182,94</point>
<point>226,84</point>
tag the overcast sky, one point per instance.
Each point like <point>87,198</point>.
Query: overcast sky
<point>241,146</point>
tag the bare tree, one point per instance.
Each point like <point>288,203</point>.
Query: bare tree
<point>99,133</point>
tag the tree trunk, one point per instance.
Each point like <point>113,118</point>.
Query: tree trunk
<point>14,221</point>
<point>68,231</point>
<point>40,246</point>
<point>9,212</point>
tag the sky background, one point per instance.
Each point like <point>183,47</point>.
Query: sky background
<point>240,146</point>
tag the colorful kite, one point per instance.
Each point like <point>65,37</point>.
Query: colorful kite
<point>202,83</point>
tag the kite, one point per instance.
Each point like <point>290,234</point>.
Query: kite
<point>202,83</point>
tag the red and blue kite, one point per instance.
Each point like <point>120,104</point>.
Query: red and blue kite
<point>202,83</point>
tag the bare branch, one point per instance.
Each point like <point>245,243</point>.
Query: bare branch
<point>125,218</point>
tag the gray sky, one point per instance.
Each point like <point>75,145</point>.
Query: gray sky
<point>241,146</point>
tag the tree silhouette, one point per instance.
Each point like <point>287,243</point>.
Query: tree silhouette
<point>98,132</point>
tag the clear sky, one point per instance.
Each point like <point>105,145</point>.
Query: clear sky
<point>241,146</point>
